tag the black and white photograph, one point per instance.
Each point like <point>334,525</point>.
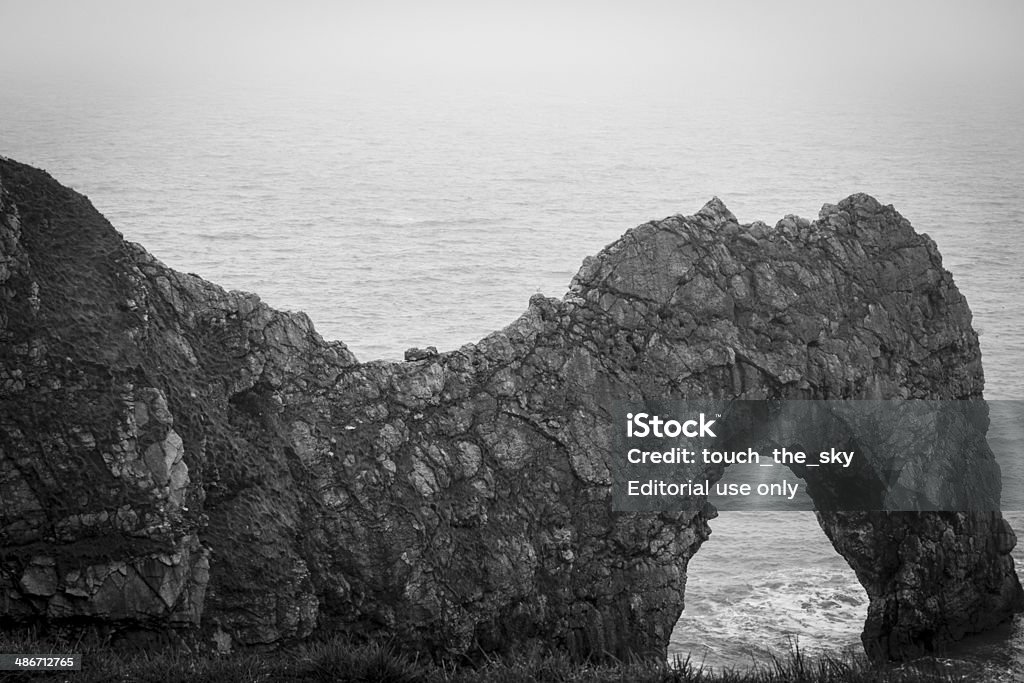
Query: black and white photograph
<point>458,341</point>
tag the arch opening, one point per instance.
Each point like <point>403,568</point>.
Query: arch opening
<point>763,582</point>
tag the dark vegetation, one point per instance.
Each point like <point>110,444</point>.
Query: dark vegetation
<point>338,659</point>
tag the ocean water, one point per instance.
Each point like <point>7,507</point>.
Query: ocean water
<point>407,214</point>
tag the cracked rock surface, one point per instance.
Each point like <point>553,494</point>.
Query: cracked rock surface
<point>174,456</point>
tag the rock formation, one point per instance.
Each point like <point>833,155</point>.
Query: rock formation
<point>174,457</point>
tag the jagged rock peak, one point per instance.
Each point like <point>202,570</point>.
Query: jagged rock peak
<point>716,210</point>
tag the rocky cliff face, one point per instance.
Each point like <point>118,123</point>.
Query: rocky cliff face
<point>174,456</point>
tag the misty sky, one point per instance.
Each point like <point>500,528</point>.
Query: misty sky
<point>799,40</point>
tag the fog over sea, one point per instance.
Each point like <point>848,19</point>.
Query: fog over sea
<point>401,213</point>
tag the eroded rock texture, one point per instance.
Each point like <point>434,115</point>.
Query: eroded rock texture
<point>172,454</point>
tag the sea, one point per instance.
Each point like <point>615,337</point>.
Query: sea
<point>401,212</point>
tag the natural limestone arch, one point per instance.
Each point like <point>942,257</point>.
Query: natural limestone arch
<point>922,571</point>
<point>178,457</point>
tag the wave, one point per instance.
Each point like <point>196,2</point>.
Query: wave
<point>413,222</point>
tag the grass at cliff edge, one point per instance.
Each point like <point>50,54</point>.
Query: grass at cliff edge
<point>340,660</point>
